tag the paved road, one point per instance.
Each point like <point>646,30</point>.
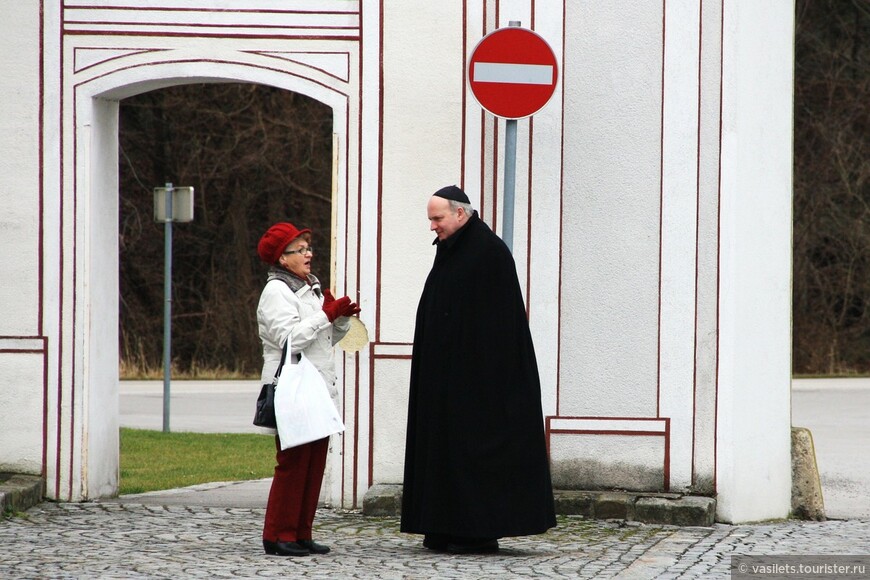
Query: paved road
<point>213,531</point>
<point>837,411</point>
<point>129,540</point>
<point>198,406</point>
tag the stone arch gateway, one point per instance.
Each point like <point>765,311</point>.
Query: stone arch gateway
<point>81,446</point>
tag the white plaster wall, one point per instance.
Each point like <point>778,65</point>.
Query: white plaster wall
<point>21,396</point>
<point>610,257</point>
<point>19,169</point>
<point>679,241</point>
<point>22,353</point>
<point>754,450</point>
<point>421,152</point>
<point>422,114</point>
<point>706,337</point>
<point>98,132</point>
<point>607,462</point>
<point>390,426</point>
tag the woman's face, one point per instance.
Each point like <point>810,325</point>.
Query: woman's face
<point>297,257</point>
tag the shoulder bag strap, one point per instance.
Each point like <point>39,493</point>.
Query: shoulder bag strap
<point>281,364</point>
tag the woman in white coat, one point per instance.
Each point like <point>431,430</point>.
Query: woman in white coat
<point>294,307</point>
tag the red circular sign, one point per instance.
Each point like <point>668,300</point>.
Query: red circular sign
<point>512,72</point>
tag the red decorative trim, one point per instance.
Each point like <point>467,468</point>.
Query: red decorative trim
<point>151,24</point>
<point>665,434</point>
<point>213,61</point>
<point>275,55</point>
<point>464,83</point>
<point>133,51</point>
<point>83,32</point>
<point>718,250</point>
<point>60,285</point>
<point>213,10</point>
<point>379,240</point>
<point>697,236</point>
<point>661,215</point>
<point>561,215</point>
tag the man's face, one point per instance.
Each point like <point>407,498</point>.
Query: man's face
<point>442,220</point>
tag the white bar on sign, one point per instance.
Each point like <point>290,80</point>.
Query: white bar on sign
<point>523,74</point>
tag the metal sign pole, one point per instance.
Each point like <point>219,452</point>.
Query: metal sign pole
<point>167,306</point>
<point>510,182</point>
<point>510,175</point>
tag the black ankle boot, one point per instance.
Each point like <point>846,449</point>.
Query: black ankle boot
<point>313,546</point>
<point>285,548</point>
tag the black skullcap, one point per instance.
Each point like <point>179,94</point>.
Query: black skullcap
<point>452,192</point>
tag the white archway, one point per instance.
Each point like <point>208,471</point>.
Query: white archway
<point>91,190</point>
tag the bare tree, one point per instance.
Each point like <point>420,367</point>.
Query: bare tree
<point>255,155</point>
<point>831,194</point>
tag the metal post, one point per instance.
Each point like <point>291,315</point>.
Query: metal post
<point>510,181</point>
<point>167,305</point>
<point>510,175</point>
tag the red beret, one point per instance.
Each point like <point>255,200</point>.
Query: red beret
<point>275,239</point>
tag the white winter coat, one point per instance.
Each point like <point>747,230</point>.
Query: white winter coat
<point>282,313</point>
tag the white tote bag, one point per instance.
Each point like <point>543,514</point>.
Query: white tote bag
<point>304,410</point>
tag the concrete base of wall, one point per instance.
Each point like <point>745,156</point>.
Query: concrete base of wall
<point>19,492</point>
<point>383,500</point>
<point>668,509</point>
<point>651,508</point>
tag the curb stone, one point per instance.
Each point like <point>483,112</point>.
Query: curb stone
<point>650,508</point>
<point>19,492</point>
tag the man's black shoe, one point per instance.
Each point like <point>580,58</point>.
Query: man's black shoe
<point>435,542</point>
<point>472,546</point>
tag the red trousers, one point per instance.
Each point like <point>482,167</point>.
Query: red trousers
<point>295,491</point>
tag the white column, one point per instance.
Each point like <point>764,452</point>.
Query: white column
<point>753,432</point>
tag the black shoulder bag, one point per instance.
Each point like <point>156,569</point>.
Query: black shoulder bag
<point>265,415</point>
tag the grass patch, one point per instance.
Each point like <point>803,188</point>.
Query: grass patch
<point>138,370</point>
<point>154,460</point>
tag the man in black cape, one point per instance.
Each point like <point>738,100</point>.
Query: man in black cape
<point>476,466</point>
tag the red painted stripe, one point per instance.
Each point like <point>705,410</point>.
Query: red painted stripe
<point>83,32</point>
<point>697,239</point>
<point>661,216</point>
<point>718,251</point>
<point>212,10</point>
<point>561,215</point>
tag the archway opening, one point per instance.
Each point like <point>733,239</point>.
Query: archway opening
<point>255,155</point>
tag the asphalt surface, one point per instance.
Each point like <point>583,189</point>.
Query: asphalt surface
<point>837,412</point>
<point>213,530</point>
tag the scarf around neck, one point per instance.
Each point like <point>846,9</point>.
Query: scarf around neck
<point>293,281</point>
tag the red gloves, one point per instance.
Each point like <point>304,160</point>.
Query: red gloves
<point>352,310</point>
<point>336,307</point>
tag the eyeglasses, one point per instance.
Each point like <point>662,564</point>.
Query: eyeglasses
<point>308,250</point>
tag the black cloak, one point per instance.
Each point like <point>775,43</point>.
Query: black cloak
<point>475,457</point>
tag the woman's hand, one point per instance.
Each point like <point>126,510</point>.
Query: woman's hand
<point>339,307</point>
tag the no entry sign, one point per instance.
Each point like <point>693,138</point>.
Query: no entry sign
<point>512,72</point>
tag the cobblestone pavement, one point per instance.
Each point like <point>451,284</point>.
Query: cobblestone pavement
<point>115,540</point>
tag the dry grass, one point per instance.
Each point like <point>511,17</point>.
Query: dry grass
<point>137,370</point>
